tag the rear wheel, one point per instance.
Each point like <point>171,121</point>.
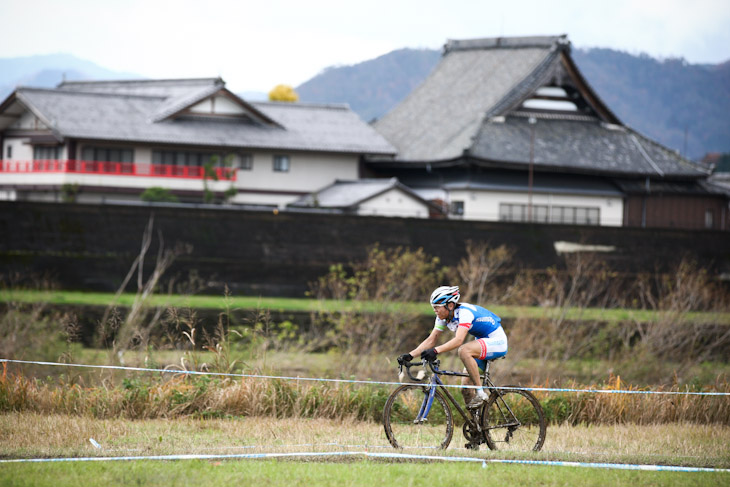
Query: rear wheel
<point>402,409</point>
<point>513,420</point>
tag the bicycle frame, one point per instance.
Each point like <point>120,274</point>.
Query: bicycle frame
<point>436,382</point>
<point>428,401</point>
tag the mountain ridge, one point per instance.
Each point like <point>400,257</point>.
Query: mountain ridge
<point>48,70</point>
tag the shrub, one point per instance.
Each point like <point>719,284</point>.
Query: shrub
<point>158,194</point>
<point>386,276</point>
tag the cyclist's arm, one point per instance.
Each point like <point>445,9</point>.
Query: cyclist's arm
<point>455,342</point>
<point>429,342</point>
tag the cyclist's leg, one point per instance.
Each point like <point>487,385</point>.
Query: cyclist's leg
<point>470,353</point>
<point>468,393</point>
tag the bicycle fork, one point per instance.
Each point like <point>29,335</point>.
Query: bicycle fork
<point>426,405</point>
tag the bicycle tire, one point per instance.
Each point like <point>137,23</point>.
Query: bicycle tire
<point>502,432</point>
<point>402,408</point>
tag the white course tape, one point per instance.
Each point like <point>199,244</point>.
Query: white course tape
<point>620,466</point>
<point>258,456</point>
<point>354,381</point>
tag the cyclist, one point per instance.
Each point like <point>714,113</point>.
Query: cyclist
<point>463,318</point>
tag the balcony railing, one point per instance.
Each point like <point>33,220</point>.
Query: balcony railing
<point>115,169</point>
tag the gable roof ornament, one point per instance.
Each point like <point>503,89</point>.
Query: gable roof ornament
<point>20,101</point>
<point>176,106</point>
<point>556,70</point>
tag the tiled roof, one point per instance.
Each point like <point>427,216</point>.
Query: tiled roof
<point>135,112</point>
<point>469,109</point>
<point>318,126</point>
<point>165,88</point>
<point>348,194</point>
<point>579,146</point>
<point>439,119</point>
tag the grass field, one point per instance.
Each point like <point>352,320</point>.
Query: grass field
<point>34,436</point>
<point>201,473</point>
<point>304,304</point>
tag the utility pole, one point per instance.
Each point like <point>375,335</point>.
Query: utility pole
<point>532,121</point>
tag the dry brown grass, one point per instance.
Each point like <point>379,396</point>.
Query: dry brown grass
<point>37,435</point>
<point>169,396</point>
<point>165,396</point>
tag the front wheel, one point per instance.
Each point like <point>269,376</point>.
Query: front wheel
<point>401,411</point>
<point>513,420</point>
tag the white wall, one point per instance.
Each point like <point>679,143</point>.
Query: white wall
<point>137,182</point>
<point>260,186</point>
<point>143,155</point>
<point>307,172</point>
<point>28,121</point>
<point>219,105</point>
<point>484,205</point>
<point>22,150</point>
<point>265,199</point>
<point>394,203</point>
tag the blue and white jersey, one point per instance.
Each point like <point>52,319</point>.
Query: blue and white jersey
<point>479,321</point>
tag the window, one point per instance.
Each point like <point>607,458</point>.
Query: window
<point>281,163</point>
<point>246,162</point>
<point>10,152</point>
<point>593,214</point>
<point>46,152</point>
<point>514,212</point>
<point>190,158</point>
<point>509,212</point>
<point>457,208</point>
<point>568,215</point>
<point>540,213</point>
<point>107,154</point>
<point>709,219</point>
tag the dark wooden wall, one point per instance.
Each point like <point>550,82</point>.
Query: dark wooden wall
<point>91,247</point>
<point>667,211</point>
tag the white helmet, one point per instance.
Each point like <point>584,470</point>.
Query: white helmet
<point>445,294</point>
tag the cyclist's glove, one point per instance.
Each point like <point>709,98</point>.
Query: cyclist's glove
<point>406,357</point>
<point>429,355</point>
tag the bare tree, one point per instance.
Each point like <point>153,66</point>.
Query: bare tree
<point>136,327</point>
<point>480,267</point>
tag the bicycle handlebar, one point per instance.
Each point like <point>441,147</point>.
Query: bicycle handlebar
<point>434,366</point>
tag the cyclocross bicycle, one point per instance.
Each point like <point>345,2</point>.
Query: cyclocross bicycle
<point>419,415</point>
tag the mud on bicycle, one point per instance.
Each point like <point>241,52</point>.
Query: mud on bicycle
<point>421,416</point>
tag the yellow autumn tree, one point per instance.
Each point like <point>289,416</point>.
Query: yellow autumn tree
<point>283,93</point>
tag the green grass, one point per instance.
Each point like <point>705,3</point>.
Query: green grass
<point>306,304</point>
<point>29,435</point>
<point>201,473</point>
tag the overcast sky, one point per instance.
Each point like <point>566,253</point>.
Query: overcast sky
<point>256,45</point>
